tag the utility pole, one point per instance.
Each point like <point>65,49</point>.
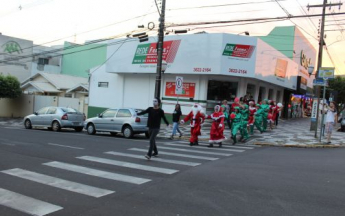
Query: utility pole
<point>160,51</point>
<point>313,125</point>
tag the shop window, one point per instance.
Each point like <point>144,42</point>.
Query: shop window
<point>262,92</point>
<point>250,93</point>
<point>103,84</point>
<point>220,90</point>
<point>270,94</point>
<point>278,96</point>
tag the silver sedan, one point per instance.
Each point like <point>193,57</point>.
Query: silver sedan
<point>55,118</point>
<point>122,120</point>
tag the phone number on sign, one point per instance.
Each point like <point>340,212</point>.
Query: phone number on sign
<point>238,71</point>
<point>202,70</point>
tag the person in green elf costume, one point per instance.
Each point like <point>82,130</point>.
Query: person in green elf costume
<point>236,124</point>
<point>265,108</point>
<point>258,118</point>
<point>245,116</point>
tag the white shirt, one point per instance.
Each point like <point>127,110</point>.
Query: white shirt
<point>330,116</point>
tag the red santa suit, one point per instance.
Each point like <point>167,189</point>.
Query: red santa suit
<point>217,128</point>
<point>252,111</point>
<point>196,118</point>
<point>272,114</point>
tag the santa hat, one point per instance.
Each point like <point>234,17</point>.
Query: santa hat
<point>237,99</point>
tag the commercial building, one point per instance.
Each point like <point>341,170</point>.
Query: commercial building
<point>214,67</point>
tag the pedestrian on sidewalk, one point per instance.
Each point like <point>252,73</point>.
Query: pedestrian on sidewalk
<point>265,108</point>
<point>236,119</point>
<point>217,128</point>
<point>196,117</point>
<point>331,120</point>
<point>252,110</point>
<point>176,120</point>
<point>155,115</point>
<point>226,112</point>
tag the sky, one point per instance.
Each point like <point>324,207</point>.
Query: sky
<point>51,22</point>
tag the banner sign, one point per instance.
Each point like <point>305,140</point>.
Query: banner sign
<point>188,90</point>
<point>147,53</point>
<point>314,110</point>
<point>238,50</point>
<point>179,85</point>
<point>326,72</point>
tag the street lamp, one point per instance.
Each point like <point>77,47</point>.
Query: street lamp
<point>164,66</point>
<point>311,70</point>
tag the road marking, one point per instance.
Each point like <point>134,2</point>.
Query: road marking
<point>66,146</point>
<point>26,204</point>
<point>154,159</point>
<point>9,144</point>
<point>178,155</point>
<point>194,151</point>
<point>129,165</point>
<point>225,146</point>
<point>202,147</point>
<point>97,173</point>
<point>59,183</point>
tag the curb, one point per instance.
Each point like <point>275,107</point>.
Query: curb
<point>299,145</point>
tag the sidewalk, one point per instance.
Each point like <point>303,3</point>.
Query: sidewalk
<point>290,133</point>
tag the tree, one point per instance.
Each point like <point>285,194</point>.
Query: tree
<point>338,84</point>
<point>9,87</point>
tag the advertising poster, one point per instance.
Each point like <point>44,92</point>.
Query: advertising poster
<point>281,67</point>
<point>188,90</point>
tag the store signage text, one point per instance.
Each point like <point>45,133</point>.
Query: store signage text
<point>147,53</point>
<point>12,47</point>
<point>305,62</point>
<point>238,50</point>
<point>202,70</point>
<point>237,71</point>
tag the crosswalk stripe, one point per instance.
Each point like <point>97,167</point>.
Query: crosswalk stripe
<point>26,204</point>
<point>203,147</point>
<point>224,145</point>
<point>154,159</point>
<point>58,183</point>
<point>178,155</point>
<point>194,151</point>
<point>97,173</point>
<point>129,165</point>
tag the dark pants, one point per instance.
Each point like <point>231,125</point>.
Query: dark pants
<point>229,123</point>
<point>277,119</point>
<point>153,133</point>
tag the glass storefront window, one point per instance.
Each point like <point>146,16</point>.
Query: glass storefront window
<point>270,94</point>
<point>250,91</point>
<point>221,90</point>
<point>262,92</point>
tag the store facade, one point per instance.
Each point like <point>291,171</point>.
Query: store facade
<point>214,67</point>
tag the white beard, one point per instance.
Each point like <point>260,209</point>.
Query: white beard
<point>195,111</point>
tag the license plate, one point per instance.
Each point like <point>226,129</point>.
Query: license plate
<point>76,123</point>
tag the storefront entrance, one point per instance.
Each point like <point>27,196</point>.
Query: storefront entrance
<point>217,91</point>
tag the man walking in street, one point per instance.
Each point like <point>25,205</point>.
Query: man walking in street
<point>153,123</point>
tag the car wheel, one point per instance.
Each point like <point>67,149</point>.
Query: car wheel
<point>127,132</point>
<point>147,135</point>
<point>91,129</point>
<point>78,129</point>
<point>56,126</point>
<point>113,133</point>
<point>28,124</point>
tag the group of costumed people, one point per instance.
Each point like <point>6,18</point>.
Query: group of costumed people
<point>244,117</point>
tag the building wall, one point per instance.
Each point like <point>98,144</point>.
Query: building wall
<point>19,107</point>
<point>46,69</point>
<point>79,59</point>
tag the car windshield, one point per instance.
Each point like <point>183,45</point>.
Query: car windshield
<point>140,110</point>
<point>69,110</point>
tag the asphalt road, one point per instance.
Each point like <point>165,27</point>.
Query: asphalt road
<point>69,173</point>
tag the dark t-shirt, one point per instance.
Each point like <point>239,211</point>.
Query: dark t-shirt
<point>177,115</point>
<point>155,116</point>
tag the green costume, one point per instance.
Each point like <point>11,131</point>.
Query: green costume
<point>265,108</point>
<point>226,114</point>
<point>258,119</point>
<point>236,124</point>
<point>245,116</point>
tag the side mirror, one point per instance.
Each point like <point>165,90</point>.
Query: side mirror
<point>36,113</point>
<point>99,115</point>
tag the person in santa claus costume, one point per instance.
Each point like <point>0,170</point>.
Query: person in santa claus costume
<point>272,114</point>
<point>252,110</point>
<point>217,128</point>
<point>196,117</point>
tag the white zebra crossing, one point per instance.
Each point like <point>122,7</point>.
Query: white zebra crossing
<point>223,146</point>
<point>58,183</point>
<point>26,204</point>
<point>186,163</point>
<point>177,154</point>
<point>129,165</point>
<point>203,147</point>
<point>97,173</point>
<point>194,151</point>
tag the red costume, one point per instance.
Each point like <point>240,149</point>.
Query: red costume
<point>252,110</point>
<point>196,118</point>
<point>217,128</point>
<point>272,114</point>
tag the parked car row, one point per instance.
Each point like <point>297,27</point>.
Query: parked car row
<point>114,121</point>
